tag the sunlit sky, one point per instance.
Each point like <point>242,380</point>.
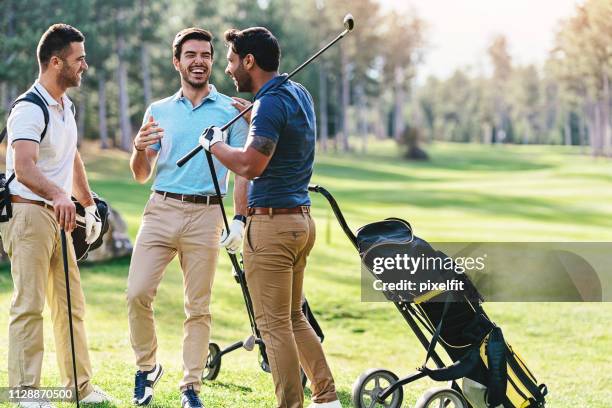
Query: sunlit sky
<point>460,30</point>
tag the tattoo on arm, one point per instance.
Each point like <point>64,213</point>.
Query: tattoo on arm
<point>263,145</point>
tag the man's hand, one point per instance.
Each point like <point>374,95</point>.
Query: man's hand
<point>233,241</point>
<point>93,224</point>
<point>148,135</point>
<point>242,104</point>
<point>211,136</point>
<point>65,212</point>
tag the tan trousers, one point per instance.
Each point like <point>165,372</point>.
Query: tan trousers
<point>192,231</point>
<point>275,252</point>
<point>32,241</point>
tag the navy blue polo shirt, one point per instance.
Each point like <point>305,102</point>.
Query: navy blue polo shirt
<point>286,115</point>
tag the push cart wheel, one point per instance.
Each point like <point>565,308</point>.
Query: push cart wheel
<point>212,371</point>
<point>370,384</point>
<point>441,397</point>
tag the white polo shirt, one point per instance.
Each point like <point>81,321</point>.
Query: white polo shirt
<point>56,151</point>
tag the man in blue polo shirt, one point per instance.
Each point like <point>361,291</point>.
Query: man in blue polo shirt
<point>280,233</point>
<point>182,216</point>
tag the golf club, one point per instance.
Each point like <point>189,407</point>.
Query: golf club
<point>66,275</point>
<point>349,24</point>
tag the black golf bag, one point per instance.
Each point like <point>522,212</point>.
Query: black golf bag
<point>492,374</point>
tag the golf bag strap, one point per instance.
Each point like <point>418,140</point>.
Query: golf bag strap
<point>436,336</point>
<point>35,98</point>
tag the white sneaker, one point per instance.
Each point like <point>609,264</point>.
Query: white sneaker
<point>39,404</point>
<point>97,396</point>
<point>333,404</point>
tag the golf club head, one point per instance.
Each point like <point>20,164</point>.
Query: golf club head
<point>349,22</point>
<point>249,343</point>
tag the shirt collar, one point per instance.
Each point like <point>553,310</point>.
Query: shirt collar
<point>212,94</point>
<point>271,83</point>
<point>49,99</point>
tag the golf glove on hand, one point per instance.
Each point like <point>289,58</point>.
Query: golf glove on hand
<point>233,241</point>
<point>93,224</point>
<point>211,136</point>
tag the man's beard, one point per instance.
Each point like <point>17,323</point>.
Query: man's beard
<point>199,84</point>
<point>244,83</point>
<point>68,79</point>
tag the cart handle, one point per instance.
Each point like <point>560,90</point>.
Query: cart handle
<point>315,188</point>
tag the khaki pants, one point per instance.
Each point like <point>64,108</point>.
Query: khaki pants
<point>31,238</point>
<point>275,252</point>
<point>170,227</point>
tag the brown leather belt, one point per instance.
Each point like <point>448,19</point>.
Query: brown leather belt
<point>274,211</point>
<point>191,198</point>
<point>21,200</point>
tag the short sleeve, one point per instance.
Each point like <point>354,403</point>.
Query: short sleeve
<point>238,133</point>
<point>145,119</point>
<point>26,122</point>
<point>269,117</point>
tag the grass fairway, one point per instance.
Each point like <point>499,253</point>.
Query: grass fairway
<point>466,192</point>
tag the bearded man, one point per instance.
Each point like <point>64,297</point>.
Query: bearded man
<point>182,215</point>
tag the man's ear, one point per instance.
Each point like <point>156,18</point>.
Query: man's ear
<point>248,62</point>
<point>55,62</point>
<point>175,62</point>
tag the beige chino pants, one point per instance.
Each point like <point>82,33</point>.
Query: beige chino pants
<point>170,227</point>
<point>31,238</point>
<point>275,252</point>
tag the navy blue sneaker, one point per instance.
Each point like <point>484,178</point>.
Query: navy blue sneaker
<point>190,398</point>
<point>144,383</point>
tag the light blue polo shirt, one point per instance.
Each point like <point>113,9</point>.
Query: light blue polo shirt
<point>183,124</point>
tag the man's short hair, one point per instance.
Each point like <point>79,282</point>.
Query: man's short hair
<point>192,33</point>
<point>56,42</point>
<point>259,42</point>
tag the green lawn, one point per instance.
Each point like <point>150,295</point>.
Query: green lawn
<point>467,192</point>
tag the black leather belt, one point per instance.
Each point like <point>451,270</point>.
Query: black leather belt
<point>191,198</point>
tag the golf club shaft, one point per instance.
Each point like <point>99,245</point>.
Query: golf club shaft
<point>233,259</point>
<point>181,162</point>
<point>66,275</point>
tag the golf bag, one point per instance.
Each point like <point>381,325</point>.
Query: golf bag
<point>81,247</point>
<point>496,375</point>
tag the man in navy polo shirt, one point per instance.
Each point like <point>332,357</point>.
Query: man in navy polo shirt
<point>182,216</point>
<point>280,233</point>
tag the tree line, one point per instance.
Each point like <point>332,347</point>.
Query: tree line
<point>364,86</point>
<point>564,101</point>
<point>128,45</point>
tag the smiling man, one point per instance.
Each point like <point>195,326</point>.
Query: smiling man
<point>183,215</point>
<point>280,233</point>
<point>47,169</point>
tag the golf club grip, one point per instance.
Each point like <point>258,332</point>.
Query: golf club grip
<point>213,174</point>
<point>181,162</point>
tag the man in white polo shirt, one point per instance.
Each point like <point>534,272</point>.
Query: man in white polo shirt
<point>43,157</point>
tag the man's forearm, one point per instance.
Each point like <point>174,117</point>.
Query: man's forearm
<point>140,166</point>
<point>233,158</point>
<point>80,185</point>
<point>241,186</point>
<point>30,176</point>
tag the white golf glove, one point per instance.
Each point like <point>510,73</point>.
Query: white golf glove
<point>93,224</point>
<point>211,136</point>
<point>233,241</point>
